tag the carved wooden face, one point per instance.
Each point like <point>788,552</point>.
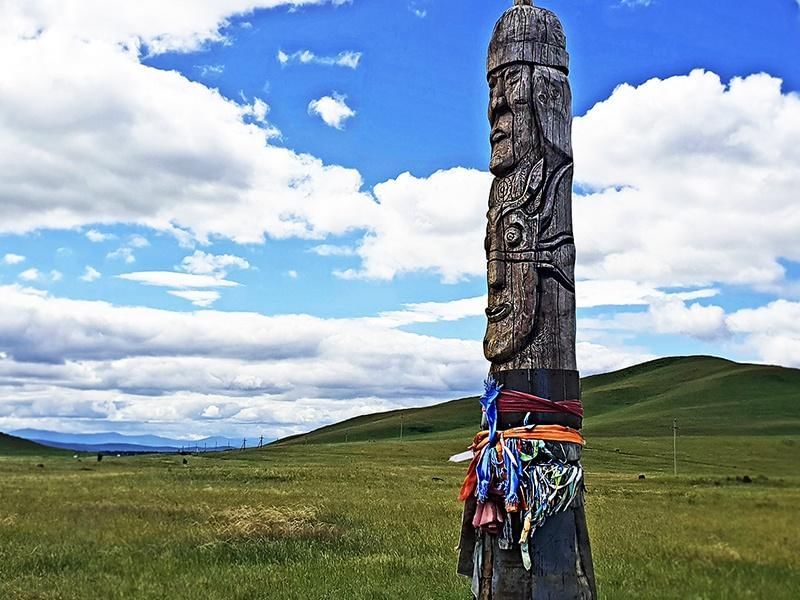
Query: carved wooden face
<point>510,116</point>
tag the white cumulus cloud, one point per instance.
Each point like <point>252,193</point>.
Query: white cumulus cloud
<point>333,250</point>
<point>672,315</point>
<point>701,174</point>
<point>138,241</point>
<point>123,253</point>
<point>204,263</point>
<point>433,224</point>
<point>621,292</point>
<point>90,274</point>
<point>346,58</point>
<point>31,274</point>
<point>13,259</point>
<point>97,236</point>
<point>178,25</point>
<point>333,110</point>
<point>773,331</point>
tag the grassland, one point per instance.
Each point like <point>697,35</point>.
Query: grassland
<point>318,518</point>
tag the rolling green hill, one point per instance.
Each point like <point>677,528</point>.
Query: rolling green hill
<point>10,445</point>
<point>708,396</point>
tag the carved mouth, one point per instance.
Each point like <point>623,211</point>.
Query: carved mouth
<point>498,135</point>
<point>498,313</point>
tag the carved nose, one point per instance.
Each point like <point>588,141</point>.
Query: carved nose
<point>497,275</point>
<point>497,103</point>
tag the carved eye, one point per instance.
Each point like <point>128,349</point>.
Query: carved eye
<point>513,236</point>
<point>542,97</point>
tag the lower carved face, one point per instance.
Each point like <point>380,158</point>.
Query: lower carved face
<point>513,279</point>
<point>511,309</point>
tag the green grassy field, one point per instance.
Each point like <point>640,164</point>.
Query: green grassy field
<point>318,518</point>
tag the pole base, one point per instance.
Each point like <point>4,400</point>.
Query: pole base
<point>561,563</point>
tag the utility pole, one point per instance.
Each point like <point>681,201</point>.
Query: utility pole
<point>244,444</point>
<point>401,427</point>
<point>675,447</point>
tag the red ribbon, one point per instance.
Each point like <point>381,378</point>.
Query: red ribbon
<point>513,401</point>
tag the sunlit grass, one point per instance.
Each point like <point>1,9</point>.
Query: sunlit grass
<point>380,520</point>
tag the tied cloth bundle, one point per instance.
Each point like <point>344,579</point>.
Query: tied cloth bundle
<point>514,471</point>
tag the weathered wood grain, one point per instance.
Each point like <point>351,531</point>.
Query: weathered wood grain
<point>530,333</point>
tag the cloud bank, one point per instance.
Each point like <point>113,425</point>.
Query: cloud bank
<point>90,361</point>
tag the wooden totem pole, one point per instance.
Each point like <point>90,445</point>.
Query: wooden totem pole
<point>524,532</point>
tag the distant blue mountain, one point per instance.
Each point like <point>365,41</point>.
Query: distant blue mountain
<point>111,448</point>
<point>112,441</point>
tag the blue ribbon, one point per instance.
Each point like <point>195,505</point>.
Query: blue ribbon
<point>513,472</point>
<point>489,405</point>
<point>484,473</point>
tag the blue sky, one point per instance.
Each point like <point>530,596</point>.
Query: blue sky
<point>230,217</point>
